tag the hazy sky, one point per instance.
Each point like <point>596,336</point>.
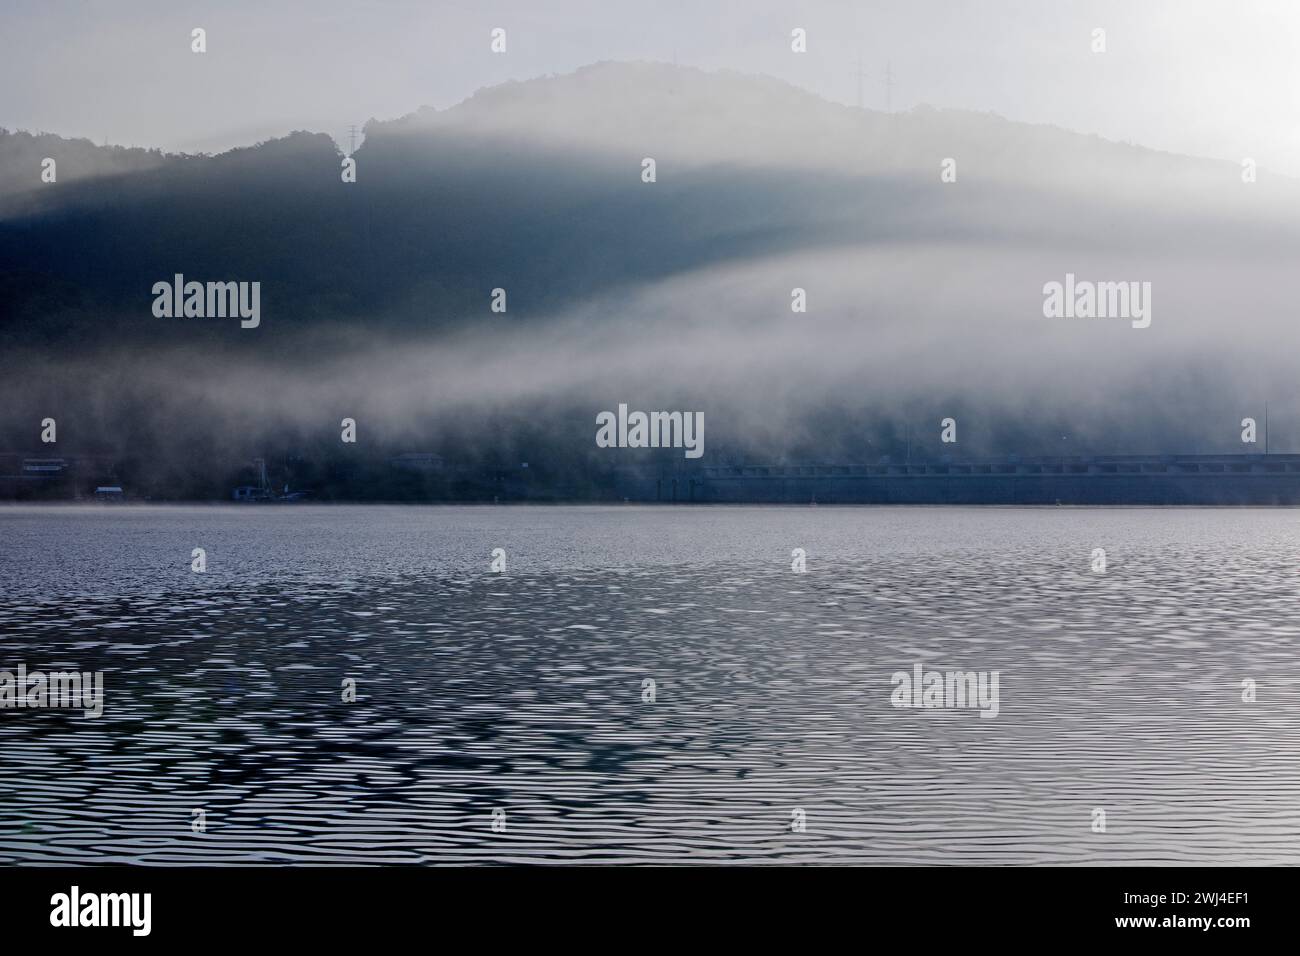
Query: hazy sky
<point>1217,78</point>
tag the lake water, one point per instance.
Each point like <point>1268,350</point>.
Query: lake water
<point>519,698</point>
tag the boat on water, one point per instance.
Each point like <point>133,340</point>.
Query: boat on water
<point>262,492</point>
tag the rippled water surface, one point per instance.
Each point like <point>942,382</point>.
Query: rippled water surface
<point>523,691</point>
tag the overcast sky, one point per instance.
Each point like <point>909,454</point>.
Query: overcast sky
<point>1218,78</point>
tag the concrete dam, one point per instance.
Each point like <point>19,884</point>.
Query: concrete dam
<point>1098,480</point>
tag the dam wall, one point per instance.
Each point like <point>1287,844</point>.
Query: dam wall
<point>1119,480</point>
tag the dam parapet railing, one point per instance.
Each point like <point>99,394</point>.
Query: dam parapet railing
<point>1065,465</point>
